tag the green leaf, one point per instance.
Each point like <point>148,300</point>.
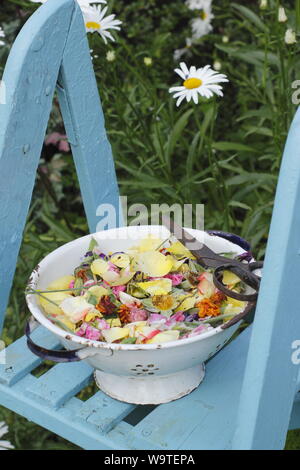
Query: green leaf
<point>176,134</point>
<point>239,204</point>
<point>227,146</point>
<point>249,177</point>
<point>251,16</point>
<point>77,284</point>
<point>93,244</point>
<point>260,130</point>
<point>58,228</point>
<point>297,15</point>
<point>254,56</point>
<point>128,341</point>
<point>92,299</point>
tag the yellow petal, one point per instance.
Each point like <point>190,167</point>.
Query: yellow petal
<point>56,297</point>
<point>118,279</point>
<point>178,264</point>
<point>113,322</point>
<point>233,310</point>
<point>237,303</point>
<point>154,263</point>
<point>156,287</point>
<point>92,315</point>
<point>164,337</point>
<point>97,291</point>
<point>164,302</point>
<point>144,330</point>
<point>230,278</point>
<point>121,260</point>
<point>67,323</point>
<point>99,266</point>
<point>132,327</point>
<point>113,334</point>
<point>61,283</point>
<point>149,243</point>
<point>186,304</point>
<point>75,308</point>
<point>179,249</point>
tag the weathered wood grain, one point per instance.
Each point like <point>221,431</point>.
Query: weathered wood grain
<point>30,78</point>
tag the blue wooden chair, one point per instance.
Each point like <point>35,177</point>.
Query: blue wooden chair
<point>249,397</point>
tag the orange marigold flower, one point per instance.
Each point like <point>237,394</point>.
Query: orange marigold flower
<point>218,298</point>
<point>124,314</point>
<point>207,308</point>
<point>82,275</point>
<point>105,305</point>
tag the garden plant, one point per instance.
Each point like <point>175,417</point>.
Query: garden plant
<point>198,97</point>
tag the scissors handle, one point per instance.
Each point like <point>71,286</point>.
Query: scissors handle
<point>209,259</point>
<point>245,274</point>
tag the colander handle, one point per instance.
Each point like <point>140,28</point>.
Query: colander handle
<point>231,237</point>
<point>237,240</point>
<point>48,354</point>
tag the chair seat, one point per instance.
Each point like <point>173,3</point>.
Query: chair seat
<point>204,419</point>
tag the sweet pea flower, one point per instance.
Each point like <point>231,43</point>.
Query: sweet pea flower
<point>197,331</point>
<point>82,329</point>
<point>117,289</point>
<point>92,333</point>
<point>137,314</point>
<point>102,324</point>
<point>175,278</point>
<point>177,317</point>
<point>113,268</point>
<point>155,317</point>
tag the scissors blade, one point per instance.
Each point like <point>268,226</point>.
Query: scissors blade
<point>204,255</point>
<point>182,235</point>
<point>209,259</point>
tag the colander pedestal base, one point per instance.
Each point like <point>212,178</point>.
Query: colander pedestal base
<point>150,389</point>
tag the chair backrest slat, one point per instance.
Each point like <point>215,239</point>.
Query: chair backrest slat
<point>271,374</point>
<point>51,47</point>
<point>84,121</point>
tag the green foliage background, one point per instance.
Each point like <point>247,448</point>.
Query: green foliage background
<point>225,154</point>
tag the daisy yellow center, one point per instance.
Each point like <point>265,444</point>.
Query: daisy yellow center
<point>203,15</point>
<point>191,83</point>
<point>93,25</point>
<point>163,302</point>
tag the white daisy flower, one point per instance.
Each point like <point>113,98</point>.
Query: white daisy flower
<point>82,3</point>
<point>88,3</point>
<point>2,35</point>
<point>198,4</point>
<point>178,53</point>
<point>204,82</point>
<point>95,21</point>
<point>202,25</point>
<point>4,445</point>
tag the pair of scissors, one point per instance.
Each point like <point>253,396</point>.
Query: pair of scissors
<point>207,258</point>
